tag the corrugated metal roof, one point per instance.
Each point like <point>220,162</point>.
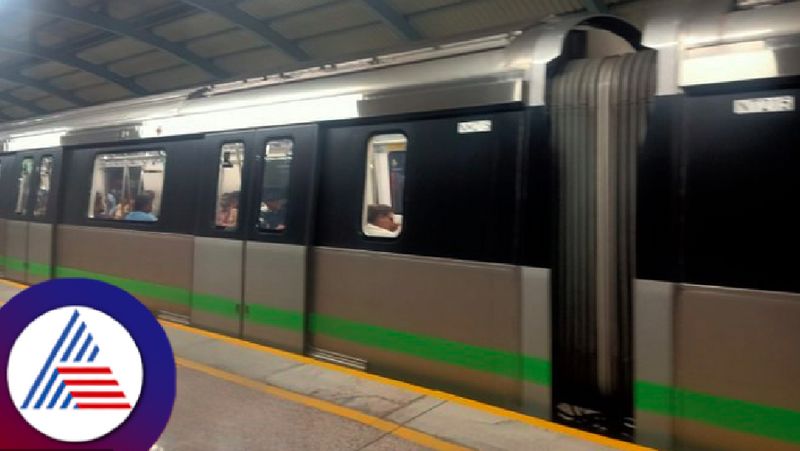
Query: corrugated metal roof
<point>59,54</point>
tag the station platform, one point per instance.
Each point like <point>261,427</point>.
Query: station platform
<point>237,395</point>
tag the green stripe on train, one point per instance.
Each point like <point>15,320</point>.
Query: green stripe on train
<point>478,358</point>
<point>734,414</point>
<point>36,269</point>
<point>473,357</point>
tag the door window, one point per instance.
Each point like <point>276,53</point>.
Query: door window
<point>43,193</point>
<point>278,156</point>
<point>384,186</point>
<point>229,185</point>
<point>24,186</point>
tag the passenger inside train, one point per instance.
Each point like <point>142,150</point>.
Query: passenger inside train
<point>273,210</point>
<point>380,222</point>
<point>228,213</point>
<point>142,208</point>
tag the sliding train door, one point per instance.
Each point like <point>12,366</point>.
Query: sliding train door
<point>218,263</point>
<point>29,229</point>
<point>280,217</point>
<point>253,227</point>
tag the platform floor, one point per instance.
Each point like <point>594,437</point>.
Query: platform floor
<point>236,395</point>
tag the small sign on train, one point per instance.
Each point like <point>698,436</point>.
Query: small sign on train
<point>475,127</point>
<point>763,105</point>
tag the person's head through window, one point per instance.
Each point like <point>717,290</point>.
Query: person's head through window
<point>273,210</point>
<point>274,199</point>
<point>143,202</point>
<point>142,208</point>
<point>229,210</point>
<point>382,216</point>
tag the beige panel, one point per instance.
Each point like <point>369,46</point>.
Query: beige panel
<point>653,347</point>
<point>40,249</point>
<point>16,247</point>
<point>469,302</point>
<point>739,344</point>
<point>490,388</point>
<point>693,436</point>
<point>2,246</point>
<point>275,337</point>
<point>275,278</point>
<point>160,258</point>
<point>536,337</point>
<point>217,272</point>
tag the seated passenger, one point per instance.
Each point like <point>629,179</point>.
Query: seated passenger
<point>380,222</point>
<point>99,208</point>
<point>142,208</point>
<point>273,210</point>
<point>229,210</point>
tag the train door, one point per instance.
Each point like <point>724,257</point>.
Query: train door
<point>279,224</point>
<point>217,275</point>
<point>29,231</point>
<point>598,112</point>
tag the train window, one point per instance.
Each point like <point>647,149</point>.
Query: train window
<point>43,193</point>
<point>229,185</point>
<point>128,186</point>
<point>275,185</point>
<point>24,188</point>
<point>384,186</point>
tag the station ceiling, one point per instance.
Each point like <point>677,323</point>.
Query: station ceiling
<point>62,54</point>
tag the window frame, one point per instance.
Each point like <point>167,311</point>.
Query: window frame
<point>52,159</point>
<point>363,214</point>
<point>260,186</point>
<point>242,187</point>
<point>126,222</point>
<point>25,205</point>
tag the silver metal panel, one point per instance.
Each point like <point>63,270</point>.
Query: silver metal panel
<point>536,340</point>
<point>431,99</point>
<point>653,350</point>
<point>703,42</point>
<point>661,34</point>
<point>467,302</point>
<point>696,436</point>
<point>719,26</point>
<point>741,61</point>
<point>16,250</point>
<point>756,333</point>
<point>161,259</point>
<point>217,272</point>
<point>543,44</point>
<point>738,345</point>
<point>275,278</point>
<point>324,93</point>
<point>40,252</point>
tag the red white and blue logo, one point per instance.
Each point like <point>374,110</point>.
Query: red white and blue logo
<point>76,370</point>
<point>56,364</point>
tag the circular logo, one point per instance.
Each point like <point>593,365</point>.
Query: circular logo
<point>86,365</point>
<point>75,374</point>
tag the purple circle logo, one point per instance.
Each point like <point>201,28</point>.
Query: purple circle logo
<point>87,366</point>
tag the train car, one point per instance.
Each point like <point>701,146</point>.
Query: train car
<point>580,221</point>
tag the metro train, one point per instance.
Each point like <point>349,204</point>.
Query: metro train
<point>581,221</point>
